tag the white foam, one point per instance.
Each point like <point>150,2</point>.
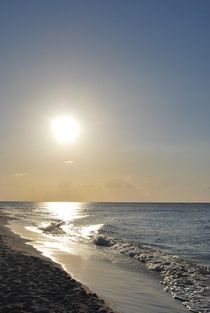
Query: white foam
<point>184,280</point>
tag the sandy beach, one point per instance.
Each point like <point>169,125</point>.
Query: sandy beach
<point>32,283</point>
<point>48,273</point>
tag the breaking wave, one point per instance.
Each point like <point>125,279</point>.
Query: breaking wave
<point>184,280</point>
<point>54,228</point>
<point>69,230</point>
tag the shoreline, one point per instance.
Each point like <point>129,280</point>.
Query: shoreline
<point>146,284</point>
<point>168,268</point>
<point>32,282</point>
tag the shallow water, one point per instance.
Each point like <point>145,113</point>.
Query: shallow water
<point>65,232</point>
<point>123,283</point>
<point>180,229</point>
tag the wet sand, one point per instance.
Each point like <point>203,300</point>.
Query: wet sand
<point>122,281</point>
<point>32,283</point>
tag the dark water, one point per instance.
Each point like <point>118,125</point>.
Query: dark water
<point>180,229</point>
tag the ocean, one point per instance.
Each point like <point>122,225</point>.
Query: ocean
<point>115,237</point>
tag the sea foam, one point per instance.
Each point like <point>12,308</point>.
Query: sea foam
<point>54,228</point>
<point>184,280</point>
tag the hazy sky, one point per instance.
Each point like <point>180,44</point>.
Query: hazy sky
<point>135,75</point>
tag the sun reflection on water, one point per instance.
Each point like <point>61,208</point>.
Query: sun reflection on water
<point>90,230</point>
<point>66,211</point>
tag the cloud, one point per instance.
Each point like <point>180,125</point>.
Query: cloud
<point>21,174</point>
<point>118,184</point>
<point>69,162</point>
<point>64,185</point>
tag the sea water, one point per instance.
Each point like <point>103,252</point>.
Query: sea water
<point>66,232</point>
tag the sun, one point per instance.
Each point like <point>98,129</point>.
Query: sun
<point>65,129</point>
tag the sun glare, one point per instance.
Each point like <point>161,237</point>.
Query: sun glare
<point>66,211</point>
<point>66,129</point>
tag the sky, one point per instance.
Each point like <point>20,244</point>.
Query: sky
<point>136,77</point>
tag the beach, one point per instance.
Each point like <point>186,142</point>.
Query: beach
<point>68,257</point>
<point>105,156</point>
<point>32,283</point>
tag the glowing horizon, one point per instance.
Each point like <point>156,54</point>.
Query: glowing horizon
<point>126,87</point>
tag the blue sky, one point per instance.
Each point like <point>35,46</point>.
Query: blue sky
<point>134,73</point>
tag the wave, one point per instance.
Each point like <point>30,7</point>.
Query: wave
<point>184,280</point>
<point>53,228</point>
<point>101,240</point>
<point>70,231</point>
